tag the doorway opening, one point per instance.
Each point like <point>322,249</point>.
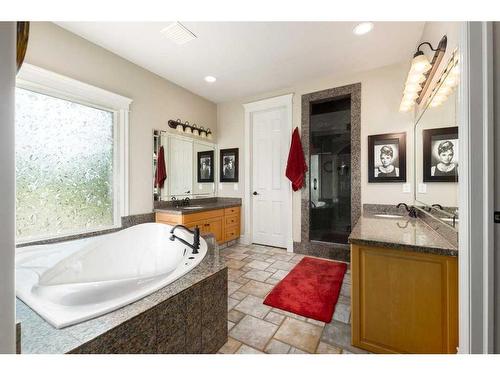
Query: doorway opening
<point>330,170</point>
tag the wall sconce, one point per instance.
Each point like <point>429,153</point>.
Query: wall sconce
<point>421,73</point>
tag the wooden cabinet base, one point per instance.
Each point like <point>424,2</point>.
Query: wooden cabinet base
<point>224,224</point>
<point>403,301</point>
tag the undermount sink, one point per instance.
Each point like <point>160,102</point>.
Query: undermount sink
<point>389,216</point>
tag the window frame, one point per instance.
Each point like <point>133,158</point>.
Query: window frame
<point>45,82</point>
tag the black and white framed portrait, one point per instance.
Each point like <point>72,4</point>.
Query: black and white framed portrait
<point>440,154</point>
<point>206,166</point>
<point>229,165</point>
<point>387,157</point>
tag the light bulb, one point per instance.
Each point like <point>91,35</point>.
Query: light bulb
<point>412,88</point>
<point>420,64</point>
<point>415,78</point>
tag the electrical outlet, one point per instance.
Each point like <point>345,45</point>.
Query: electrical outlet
<point>422,188</point>
<point>406,188</point>
<point>220,185</point>
<point>235,187</point>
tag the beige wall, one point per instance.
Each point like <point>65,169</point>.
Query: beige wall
<point>155,100</point>
<point>381,91</point>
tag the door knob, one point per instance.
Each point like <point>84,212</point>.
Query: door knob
<point>255,193</point>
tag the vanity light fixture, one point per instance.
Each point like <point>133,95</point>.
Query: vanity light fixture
<point>363,28</point>
<point>447,83</point>
<point>421,73</point>
<point>178,33</point>
<point>210,79</point>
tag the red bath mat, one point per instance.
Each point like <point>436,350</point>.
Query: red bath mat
<point>311,289</point>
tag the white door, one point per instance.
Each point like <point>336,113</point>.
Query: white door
<point>269,185</point>
<point>180,171</point>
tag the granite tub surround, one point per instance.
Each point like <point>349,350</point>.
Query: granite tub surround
<point>325,249</point>
<point>187,316</point>
<point>404,233</point>
<point>204,204</point>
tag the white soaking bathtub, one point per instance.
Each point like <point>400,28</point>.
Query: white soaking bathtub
<point>70,282</point>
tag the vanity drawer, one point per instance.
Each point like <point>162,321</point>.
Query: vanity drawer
<point>189,218</point>
<point>231,233</point>
<point>232,211</point>
<point>232,220</point>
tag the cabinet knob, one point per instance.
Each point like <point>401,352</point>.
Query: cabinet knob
<point>255,193</point>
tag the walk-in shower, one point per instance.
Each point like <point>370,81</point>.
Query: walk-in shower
<point>330,170</point>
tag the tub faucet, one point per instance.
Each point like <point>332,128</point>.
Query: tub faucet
<point>412,212</point>
<point>196,241</point>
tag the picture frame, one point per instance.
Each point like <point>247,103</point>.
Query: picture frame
<point>440,154</point>
<point>229,165</point>
<point>387,158</point>
<point>205,166</point>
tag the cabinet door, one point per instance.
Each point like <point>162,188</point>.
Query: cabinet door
<point>202,225</point>
<point>404,302</point>
<point>214,226</point>
<point>180,167</point>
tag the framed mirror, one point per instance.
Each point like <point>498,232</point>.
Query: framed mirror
<point>183,167</point>
<point>436,148</point>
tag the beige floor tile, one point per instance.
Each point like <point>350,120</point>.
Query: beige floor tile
<point>232,287</point>
<point>235,316</point>
<point>230,325</point>
<point>277,347</point>
<point>290,314</point>
<point>315,322</point>
<point>274,318</point>
<point>258,264</point>
<point>254,306</point>
<point>283,257</point>
<point>233,274</point>
<point>262,257</point>
<point>258,275</point>
<point>237,256</point>
<point>231,302</point>
<point>235,264</point>
<point>254,332</point>
<point>238,295</point>
<point>230,346</point>
<point>245,349</point>
<point>271,269</point>
<point>256,288</point>
<point>272,281</point>
<point>280,274</point>
<point>324,348</point>
<point>281,265</point>
<point>302,335</point>
<point>342,313</point>
<point>296,351</point>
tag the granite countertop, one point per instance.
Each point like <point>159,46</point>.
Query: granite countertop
<point>400,233</point>
<point>38,336</point>
<point>201,205</point>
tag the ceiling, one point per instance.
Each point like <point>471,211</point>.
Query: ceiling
<point>250,58</point>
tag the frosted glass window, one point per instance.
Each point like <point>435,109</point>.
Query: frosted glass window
<point>64,167</point>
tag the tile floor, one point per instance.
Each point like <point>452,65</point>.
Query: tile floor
<point>253,327</point>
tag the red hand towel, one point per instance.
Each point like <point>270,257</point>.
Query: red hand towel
<point>296,166</point>
<point>161,171</point>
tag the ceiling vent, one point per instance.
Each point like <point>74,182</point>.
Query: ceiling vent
<point>178,33</point>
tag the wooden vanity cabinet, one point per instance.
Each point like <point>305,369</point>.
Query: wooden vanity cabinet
<point>223,223</point>
<point>404,301</point>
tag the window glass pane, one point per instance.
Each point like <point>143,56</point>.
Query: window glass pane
<point>64,166</point>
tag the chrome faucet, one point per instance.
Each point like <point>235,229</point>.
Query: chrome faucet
<point>196,241</point>
<point>412,212</point>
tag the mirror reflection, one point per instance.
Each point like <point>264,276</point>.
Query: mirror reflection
<point>436,149</point>
<point>183,167</point>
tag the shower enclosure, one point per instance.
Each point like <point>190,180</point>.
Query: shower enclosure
<point>330,170</point>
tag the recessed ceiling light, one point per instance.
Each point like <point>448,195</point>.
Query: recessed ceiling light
<point>210,79</point>
<point>178,33</point>
<point>363,28</point>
